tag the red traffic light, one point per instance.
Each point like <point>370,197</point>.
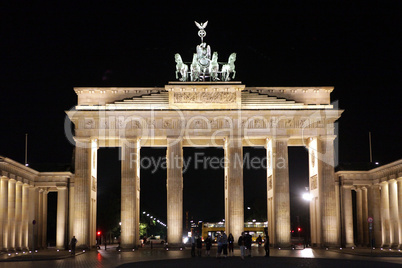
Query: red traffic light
<point>298,229</point>
<point>98,233</point>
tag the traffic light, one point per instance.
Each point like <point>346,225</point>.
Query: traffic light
<point>98,233</point>
<point>299,229</point>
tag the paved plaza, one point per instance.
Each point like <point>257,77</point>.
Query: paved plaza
<point>159,257</point>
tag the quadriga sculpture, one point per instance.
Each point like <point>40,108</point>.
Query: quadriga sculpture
<point>181,68</point>
<point>229,68</point>
<point>195,69</point>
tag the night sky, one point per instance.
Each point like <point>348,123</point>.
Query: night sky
<point>48,48</point>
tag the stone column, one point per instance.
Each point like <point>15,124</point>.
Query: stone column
<point>71,208</point>
<point>18,216</point>
<point>33,213</point>
<point>44,217</point>
<point>4,213</point>
<point>234,199</point>
<point>130,193</point>
<point>393,213</point>
<point>61,217</point>
<point>365,217</point>
<point>347,215</point>
<point>326,177</point>
<point>374,201</point>
<point>11,214</point>
<point>174,185</point>
<point>315,208</point>
<point>359,216</point>
<point>399,181</point>
<point>25,216</point>
<point>270,202</point>
<point>280,185</point>
<point>39,220</point>
<point>385,214</point>
<point>82,194</point>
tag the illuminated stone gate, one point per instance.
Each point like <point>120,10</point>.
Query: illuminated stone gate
<point>202,114</point>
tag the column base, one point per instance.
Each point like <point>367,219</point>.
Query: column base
<point>128,247</point>
<point>175,246</point>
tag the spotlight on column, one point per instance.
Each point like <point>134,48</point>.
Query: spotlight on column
<point>307,196</point>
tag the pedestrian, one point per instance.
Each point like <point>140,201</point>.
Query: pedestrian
<point>199,245</point>
<point>259,240</point>
<point>192,246</point>
<point>219,241</point>
<point>73,242</point>
<point>208,244</point>
<point>242,246</point>
<point>248,241</point>
<point>231,244</point>
<point>266,245</point>
<point>224,244</point>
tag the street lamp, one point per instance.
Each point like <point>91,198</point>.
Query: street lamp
<point>307,196</point>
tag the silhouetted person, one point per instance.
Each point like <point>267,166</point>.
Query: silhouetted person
<point>199,246</point>
<point>73,243</point>
<point>248,241</point>
<point>208,244</point>
<point>266,246</point>
<point>231,244</point>
<point>242,246</point>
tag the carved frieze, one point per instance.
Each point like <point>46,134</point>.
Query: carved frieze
<point>204,97</point>
<point>313,181</point>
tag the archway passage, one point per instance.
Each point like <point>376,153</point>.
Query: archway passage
<point>153,194</point>
<point>255,184</point>
<point>108,194</point>
<point>203,183</point>
<point>299,185</point>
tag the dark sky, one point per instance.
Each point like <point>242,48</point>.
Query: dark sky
<point>49,47</point>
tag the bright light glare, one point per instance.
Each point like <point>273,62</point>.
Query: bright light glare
<point>307,196</point>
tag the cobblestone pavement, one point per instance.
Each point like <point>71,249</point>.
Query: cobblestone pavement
<point>147,257</point>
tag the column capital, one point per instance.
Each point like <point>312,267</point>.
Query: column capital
<point>61,187</point>
<point>327,137</point>
<point>172,140</point>
<point>280,138</point>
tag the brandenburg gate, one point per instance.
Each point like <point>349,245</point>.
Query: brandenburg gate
<point>205,107</point>
<point>202,114</point>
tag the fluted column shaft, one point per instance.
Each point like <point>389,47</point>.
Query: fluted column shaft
<point>393,213</point>
<point>44,220</point>
<point>399,182</point>
<point>4,213</point>
<point>82,194</point>
<point>174,187</point>
<point>33,214</point>
<point>359,216</point>
<point>18,216</point>
<point>130,193</point>
<point>365,217</point>
<point>11,215</point>
<point>374,201</point>
<point>281,197</point>
<point>61,217</point>
<point>25,216</point>
<point>39,220</point>
<point>385,224</point>
<point>347,215</point>
<point>326,177</point>
<point>234,197</point>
